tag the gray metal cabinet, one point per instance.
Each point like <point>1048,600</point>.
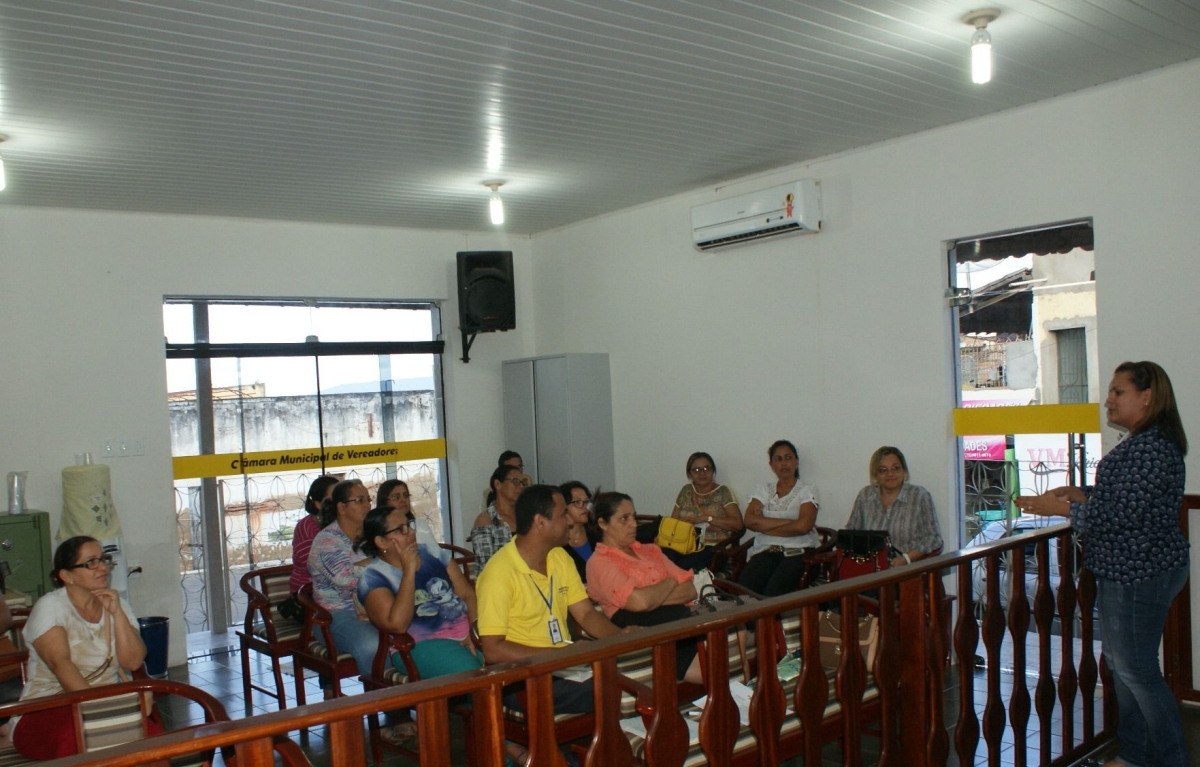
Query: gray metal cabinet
<point>558,416</point>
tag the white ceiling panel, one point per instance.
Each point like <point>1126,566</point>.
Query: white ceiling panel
<point>395,113</point>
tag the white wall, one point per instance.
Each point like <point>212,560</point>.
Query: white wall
<point>839,341</point>
<point>81,345</point>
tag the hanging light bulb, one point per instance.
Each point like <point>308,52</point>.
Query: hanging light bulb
<point>495,202</point>
<point>2,181</point>
<point>981,44</point>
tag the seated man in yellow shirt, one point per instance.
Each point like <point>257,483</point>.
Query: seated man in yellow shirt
<point>528,589</point>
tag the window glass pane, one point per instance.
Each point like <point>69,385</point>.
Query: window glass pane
<point>177,323</point>
<point>243,323</point>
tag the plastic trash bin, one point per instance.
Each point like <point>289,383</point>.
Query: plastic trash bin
<point>155,630</point>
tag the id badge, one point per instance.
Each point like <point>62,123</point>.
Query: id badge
<point>556,636</point>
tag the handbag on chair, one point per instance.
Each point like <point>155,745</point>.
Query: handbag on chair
<point>861,552</point>
<point>677,535</point>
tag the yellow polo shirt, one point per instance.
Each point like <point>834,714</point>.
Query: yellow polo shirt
<point>512,598</point>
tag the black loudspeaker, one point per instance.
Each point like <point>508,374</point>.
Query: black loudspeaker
<point>486,300</point>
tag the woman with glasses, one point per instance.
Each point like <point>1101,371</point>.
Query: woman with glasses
<point>494,527</point>
<point>710,506</point>
<point>904,510</point>
<point>782,514</point>
<point>579,516</point>
<point>335,565</point>
<point>417,589</point>
<point>81,635</point>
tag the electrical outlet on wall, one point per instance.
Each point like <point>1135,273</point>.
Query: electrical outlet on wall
<point>106,448</point>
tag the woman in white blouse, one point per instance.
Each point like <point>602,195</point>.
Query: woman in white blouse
<point>783,515</point>
<point>904,510</point>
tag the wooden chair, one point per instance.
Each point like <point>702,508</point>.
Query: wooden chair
<point>113,714</point>
<point>317,651</point>
<point>464,558</point>
<point>265,630</point>
<point>818,565</point>
<point>384,675</point>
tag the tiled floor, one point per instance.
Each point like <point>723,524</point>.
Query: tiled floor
<point>219,673</point>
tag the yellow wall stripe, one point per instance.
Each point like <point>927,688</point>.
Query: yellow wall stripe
<point>1027,419</point>
<point>274,461</point>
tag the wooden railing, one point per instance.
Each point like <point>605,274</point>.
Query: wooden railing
<point>910,674</point>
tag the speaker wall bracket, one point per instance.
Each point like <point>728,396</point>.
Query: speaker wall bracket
<point>468,339</point>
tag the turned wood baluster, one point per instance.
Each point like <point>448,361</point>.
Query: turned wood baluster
<point>887,676</point>
<point>767,703</point>
<point>1043,618</point>
<point>667,735</point>
<point>812,689</point>
<point>937,746</point>
<point>539,716</point>
<point>258,753</point>
<point>850,677</point>
<point>993,636</point>
<point>609,746</point>
<point>433,727</point>
<point>1018,630</point>
<point>1088,673</point>
<point>966,642</point>
<point>345,742</point>
<point>719,722</point>
<point>1067,678</point>
<point>914,677</point>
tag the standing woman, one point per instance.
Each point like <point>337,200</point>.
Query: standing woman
<point>904,510</point>
<point>782,515</point>
<point>707,504</point>
<point>80,635</point>
<point>494,527</point>
<point>1129,522</point>
<point>335,565</point>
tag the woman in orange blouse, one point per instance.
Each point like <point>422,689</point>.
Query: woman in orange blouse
<point>634,583</point>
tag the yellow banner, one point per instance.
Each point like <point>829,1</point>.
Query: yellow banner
<point>274,461</point>
<point>1027,419</point>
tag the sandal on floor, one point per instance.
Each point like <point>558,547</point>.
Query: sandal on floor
<point>520,760</point>
<point>398,734</point>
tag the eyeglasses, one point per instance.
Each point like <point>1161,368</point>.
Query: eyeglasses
<point>890,470</point>
<point>401,495</point>
<point>580,503</point>
<point>701,469</point>
<point>94,562</point>
<point>516,481</point>
<point>404,528</point>
<point>363,499</point>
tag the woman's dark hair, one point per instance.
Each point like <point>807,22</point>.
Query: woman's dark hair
<point>696,457</point>
<point>566,488</point>
<point>381,495</point>
<point>374,526</point>
<point>604,506</point>
<point>1161,411</point>
<point>784,443</point>
<point>507,456</point>
<point>66,554</point>
<point>316,493</point>
<point>498,475</point>
<point>340,494</point>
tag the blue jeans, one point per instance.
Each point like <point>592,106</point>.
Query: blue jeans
<point>1132,617</point>
<point>357,637</point>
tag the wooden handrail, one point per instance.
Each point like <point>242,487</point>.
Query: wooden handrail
<point>908,673</point>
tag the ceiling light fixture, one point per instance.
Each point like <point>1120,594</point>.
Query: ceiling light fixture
<point>981,44</point>
<point>3,138</point>
<point>495,203</point>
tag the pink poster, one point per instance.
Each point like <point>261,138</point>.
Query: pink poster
<point>989,447</point>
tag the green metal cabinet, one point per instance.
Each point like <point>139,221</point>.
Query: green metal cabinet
<point>25,546</point>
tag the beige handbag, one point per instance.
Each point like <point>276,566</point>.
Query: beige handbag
<point>831,640</point>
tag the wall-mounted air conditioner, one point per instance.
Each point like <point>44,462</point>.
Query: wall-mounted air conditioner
<point>786,209</point>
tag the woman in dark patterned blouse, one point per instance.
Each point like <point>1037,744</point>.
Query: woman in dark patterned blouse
<point>1129,523</point>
